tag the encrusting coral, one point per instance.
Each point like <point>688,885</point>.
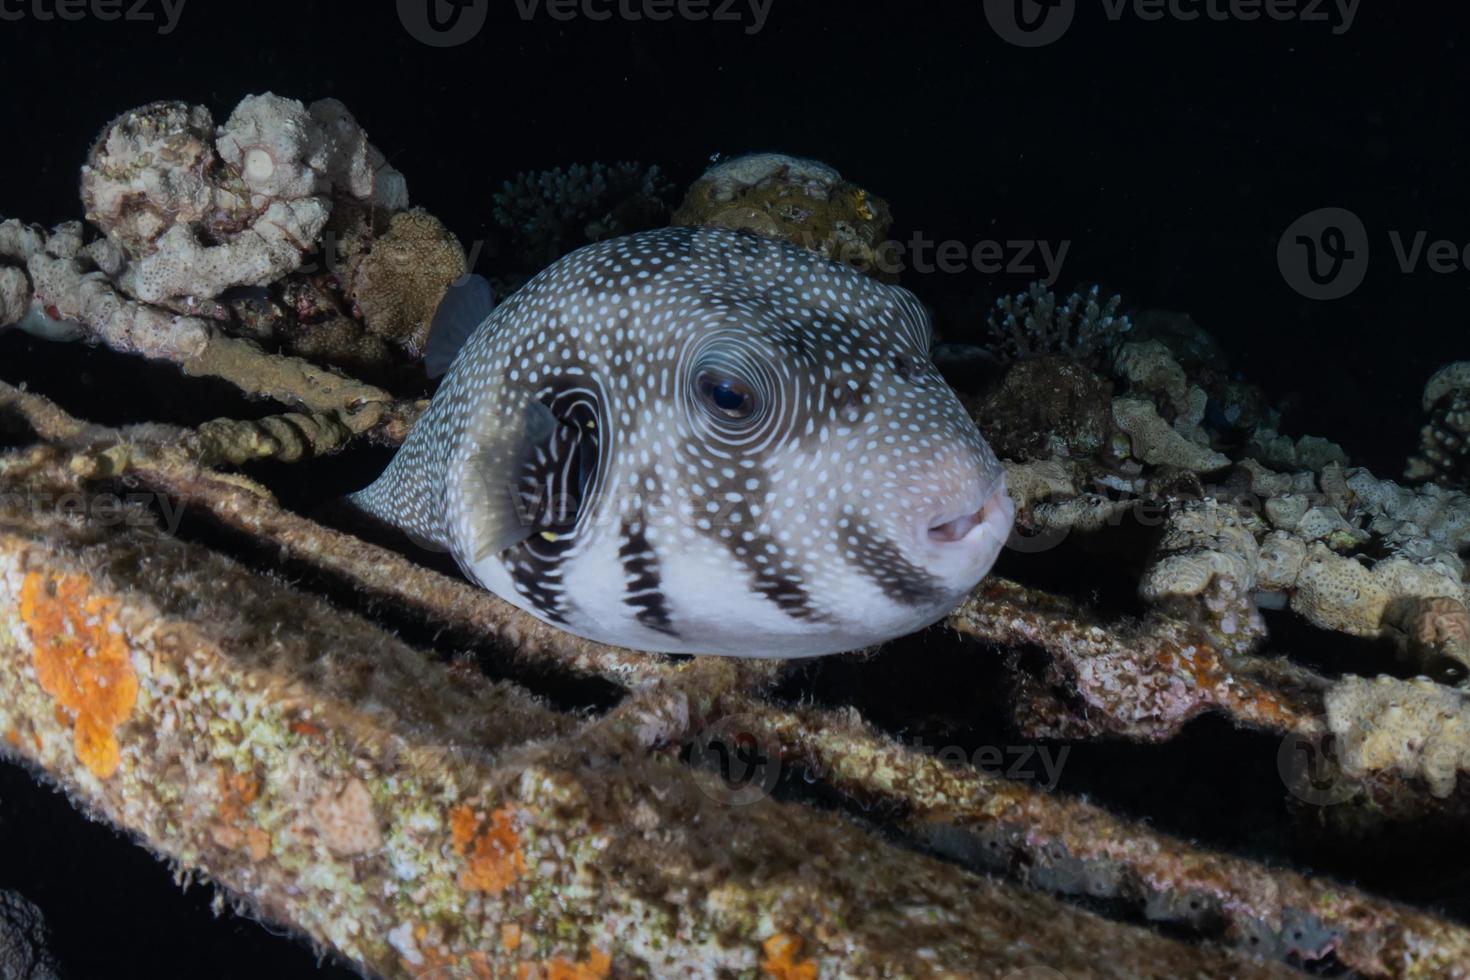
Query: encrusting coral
<point>1249,519</point>
<point>1153,440</point>
<point>1206,562</point>
<point>1048,407</point>
<point>1444,448</point>
<point>795,200</point>
<point>1349,552</point>
<point>81,660</point>
<point>68,287</point>
<point>15,295</point>
<point>1416,728</point>
<point>397,283</point>
<point>1157,387</point>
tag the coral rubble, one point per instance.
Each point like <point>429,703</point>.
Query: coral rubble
<point>219,252</point>
<point>24,951</point>
<point>1417,728</point>
<point>195,212</point>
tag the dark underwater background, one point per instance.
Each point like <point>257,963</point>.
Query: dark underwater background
<point>1171,155</point>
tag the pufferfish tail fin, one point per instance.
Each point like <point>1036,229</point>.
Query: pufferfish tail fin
<point>406,494</point>
<point>454,484</point>
<point>410,493</point>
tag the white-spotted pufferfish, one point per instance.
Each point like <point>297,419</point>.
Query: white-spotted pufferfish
<point>700,441</point>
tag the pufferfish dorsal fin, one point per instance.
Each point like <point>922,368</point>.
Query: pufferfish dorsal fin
<point>483,493</point>
<point>467,303</point>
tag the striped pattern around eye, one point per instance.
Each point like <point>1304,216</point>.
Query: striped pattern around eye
<point>738,361</point>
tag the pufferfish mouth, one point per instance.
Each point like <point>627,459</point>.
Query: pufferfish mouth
<point>994,515</point>
<point>956,529</point>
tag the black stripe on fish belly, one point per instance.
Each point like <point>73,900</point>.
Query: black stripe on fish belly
<point>539,583</point>
<point>783,588</point>
<point>645,585</point>
<point>881,562</point>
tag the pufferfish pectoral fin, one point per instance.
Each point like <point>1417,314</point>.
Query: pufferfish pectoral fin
<point>491,513</point>
<point>467,304</point>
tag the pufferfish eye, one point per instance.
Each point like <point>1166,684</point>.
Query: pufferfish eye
<point>729,397</point>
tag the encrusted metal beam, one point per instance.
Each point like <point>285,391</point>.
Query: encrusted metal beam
<point>415,817</point>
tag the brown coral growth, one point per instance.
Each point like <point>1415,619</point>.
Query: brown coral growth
<point>232,828</point>
<point>397,285</point>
